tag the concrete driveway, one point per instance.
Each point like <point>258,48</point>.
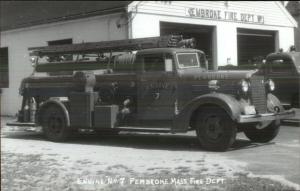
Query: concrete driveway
<point>91,162</point>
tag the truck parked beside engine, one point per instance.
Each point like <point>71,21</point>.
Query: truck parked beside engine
<point>284,69</point>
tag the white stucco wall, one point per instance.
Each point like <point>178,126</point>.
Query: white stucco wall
<point>88,30</point>
<point>148,25</point>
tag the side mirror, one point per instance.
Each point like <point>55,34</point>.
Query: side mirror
<point>168,65</point>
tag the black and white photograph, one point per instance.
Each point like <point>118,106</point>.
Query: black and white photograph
<point>150,95</point>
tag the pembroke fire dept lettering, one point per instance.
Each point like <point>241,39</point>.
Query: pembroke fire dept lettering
<point>224,15</point>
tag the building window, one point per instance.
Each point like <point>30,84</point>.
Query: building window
<point>60,42</point>
<point>4,82</point>
<point>57,58</point>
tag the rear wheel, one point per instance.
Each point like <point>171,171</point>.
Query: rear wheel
<point>262,134</point>
<point>296,101</point>
<point>215,129</point>
<point>54,124</point>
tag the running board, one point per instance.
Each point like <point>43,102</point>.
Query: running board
<point>20,124</point>
<point>141,129</point>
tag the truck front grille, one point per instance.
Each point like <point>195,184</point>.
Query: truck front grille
<point>258,94</point>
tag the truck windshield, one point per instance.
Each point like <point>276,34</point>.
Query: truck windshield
<point>188,60</point>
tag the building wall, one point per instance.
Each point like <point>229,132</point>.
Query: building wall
<point>273,11</point>
<point>146,18</point>
<point>88,30</point>
<point>297,33</point>
<point>225,34</point>
<point>294,8</point>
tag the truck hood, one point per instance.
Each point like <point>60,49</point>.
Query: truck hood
<point>216,75</point>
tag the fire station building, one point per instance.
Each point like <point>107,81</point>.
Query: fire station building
<point>229,32</point>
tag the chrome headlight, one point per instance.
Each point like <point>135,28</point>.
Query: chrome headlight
<point>244,86</point>
<point>270,85</point>
<point>33,59</point>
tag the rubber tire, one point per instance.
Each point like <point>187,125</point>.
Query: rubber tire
<point>295,101</point>
<point>229,127</point>
<point>262,135</point>
<point>63,132</point>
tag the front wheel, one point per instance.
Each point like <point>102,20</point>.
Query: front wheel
<point>215,129</point>
<point>296,101</point>
<point>262,135</point>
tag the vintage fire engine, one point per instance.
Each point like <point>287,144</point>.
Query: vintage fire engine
<point>158,84</point>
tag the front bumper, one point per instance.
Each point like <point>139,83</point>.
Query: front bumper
<point>265,116</point>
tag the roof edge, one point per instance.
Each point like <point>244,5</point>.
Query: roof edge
<point>285,11</point>
<point>64,18</point>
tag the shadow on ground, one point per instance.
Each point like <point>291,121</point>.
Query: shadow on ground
<point>291,123</point>
<point>138,141</point>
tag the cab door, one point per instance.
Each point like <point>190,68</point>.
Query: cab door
<point>156,88</point>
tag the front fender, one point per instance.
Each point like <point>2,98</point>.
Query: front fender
<point>57,103</point>
<point>273,102</point>
<point>232,107</point>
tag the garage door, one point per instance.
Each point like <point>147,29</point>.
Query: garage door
<point>254,46</point>
<point>202,33</point>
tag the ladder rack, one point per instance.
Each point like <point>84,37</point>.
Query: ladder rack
<point>112,46</point>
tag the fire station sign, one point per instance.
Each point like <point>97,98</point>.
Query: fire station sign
<point>224,15</point>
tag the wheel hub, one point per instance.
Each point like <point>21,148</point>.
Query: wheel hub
<point>213,127</point>
<point>54,124</point>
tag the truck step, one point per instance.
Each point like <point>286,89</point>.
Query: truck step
<point>20,124</point>
<point>145,129</point>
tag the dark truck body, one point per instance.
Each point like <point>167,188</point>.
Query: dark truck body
<point>171,96</point>
<point>284,69</point>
